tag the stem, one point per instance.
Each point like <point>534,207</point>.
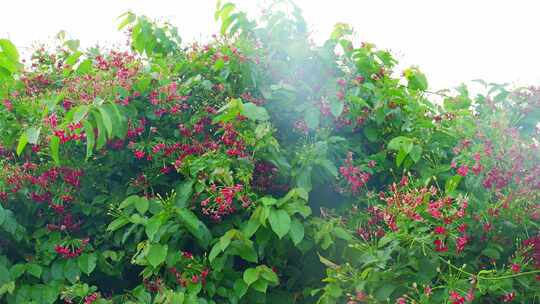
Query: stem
<point>490,278</point>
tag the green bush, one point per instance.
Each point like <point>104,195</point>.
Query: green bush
<point>260,168</point>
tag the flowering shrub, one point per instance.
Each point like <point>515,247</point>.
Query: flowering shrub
<point>260,168</point>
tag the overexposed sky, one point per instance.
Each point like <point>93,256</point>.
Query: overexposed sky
<point>452,41</point>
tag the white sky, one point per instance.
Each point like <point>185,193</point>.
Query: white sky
<point>452,41</point>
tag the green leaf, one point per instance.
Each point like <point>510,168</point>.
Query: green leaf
<point>34,269</point>
<point>54,146</point>
<point>268,274</point>
<point>9,50</point>
<point>16,271</point>
<point>177,298</point>
<point>23,140</point>
<point>260,286</point>
<point>297,231</point>
<point>401,142</point>
<point>251,275</point>
<point>84,67</point>
<point>195,226</point>
<point>452,183</point>
<point>107,122</point>
<point>372,134</point>
<point>216,250</point>
<point>183,193</point>
<point>255,112</point>
<point>118,223</point>
<point>71,271</point>
<point>359,102</point>
<point>416,153</point>
<point>240,288</point>
<point>142,205</point>
<point>57,270</point>
<point>280,221</point>
<point>80,113</point>
<point>153,225</point>
<point>312,117</point>
<point>384,291</point>
<point>90,138</point>
<point>336,107</point>
<point>400,157</point>
<point>156,254</point>
<point>87,262</point>
<point>2,215</point>
<point>32,134</point>
<point>130,200</point>
<point>246,251</point>
<point>342,234</point>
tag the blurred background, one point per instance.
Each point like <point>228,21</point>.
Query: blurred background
<point>451,41</point>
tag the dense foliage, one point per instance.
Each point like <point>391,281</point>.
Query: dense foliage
<point>260,168</point>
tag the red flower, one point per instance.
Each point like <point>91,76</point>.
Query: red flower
<point>463,170</point>
<point>439,246</point>
<point>139,154</point>
<point>439,230</point>
<point>516,268</point>
<point>456,298</point>
<point>509,297</point>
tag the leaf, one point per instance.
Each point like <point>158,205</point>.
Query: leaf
<point>23,140</point>
<point>372,134</point>
<point>384,292</point>
<point>280,221</point>
<point>87,262</point>
<point>361,103</point>
<point>312,117</point>
<point>54,146</point>
<point>255,112</point>
<point>260,286</point>
<point>400,157</point>
<point>84,67</point>
<point>16,271</point>
<point>452,183</point>
<point>342,234</point>
<point>492,253</point>
<point>34,269</point>
<point>297,231</point>
<point>195,226</point>
<point>183,193</point>
<point>246,251</point>
<point>106,120</point>
<point>268,274</point>
<point>57,270</point>
<point>153,225</point>
<point>2,215</point>
<point>401,142</point>
<point>130,200</point>
<point>156,254</point>
<point>80,113</point>
<point>141,204</point>
<point>118,223</point>
<point>336,107</point>
<point>251,275</point>
<point>71,271</point>
<point>416,153</point>
<point>90,138</point>
<point>9,50</point>
<point>177,298</point>
<point>32,134</point>
<point>240,288</point>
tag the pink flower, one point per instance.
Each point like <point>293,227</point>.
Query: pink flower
<point>463,170</point>
<point>139,154</point>
<point>516,268</point>
<point>439,230</point>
